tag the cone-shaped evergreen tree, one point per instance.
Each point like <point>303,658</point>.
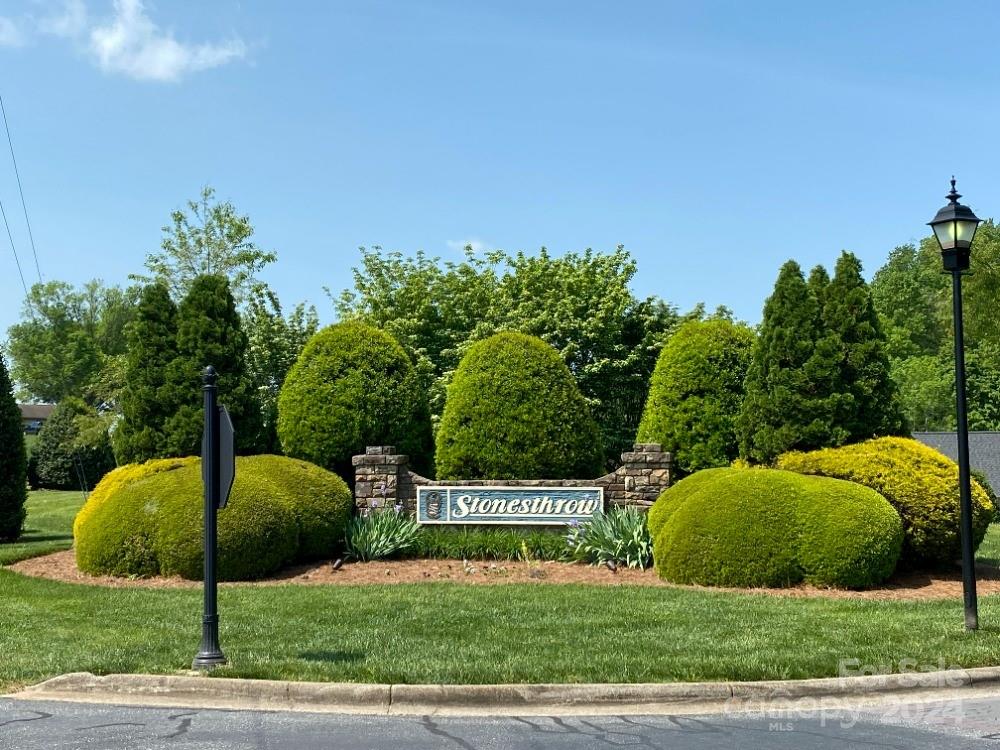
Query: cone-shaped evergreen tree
<point>849,316</point>
<point>791,399</point>
<point>148,399</point>
<point>209,333</point>
<point>818,283</point>
<point>13,462</point>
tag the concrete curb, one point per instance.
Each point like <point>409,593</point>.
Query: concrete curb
<point>326,697</point>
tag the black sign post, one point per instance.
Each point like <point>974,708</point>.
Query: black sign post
<point>210,653</point>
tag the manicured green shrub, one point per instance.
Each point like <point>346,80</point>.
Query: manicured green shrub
<point>921,484</point>
<point>695,393</point>
<point>984,482</point>
<point>113,532</point>
<point>380,534</point>
<point>619,536</point>
<point>352,386</point>
<point>514,411</point>
<point>461,543</point>
<point>147,519</point>
<point>321,500</point>
<point>13,461</point>
<point>666,504</point>
<point>67,458</point>
<point>764,527</point>
<point>258,533</point>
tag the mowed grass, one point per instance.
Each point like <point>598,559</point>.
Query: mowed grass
<point>48,527</point>
<point>989,550</point>
<point>450,633</point>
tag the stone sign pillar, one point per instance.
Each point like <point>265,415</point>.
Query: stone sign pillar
<point>383,479</point>
<point>379,475</point>
<point>646,473</point>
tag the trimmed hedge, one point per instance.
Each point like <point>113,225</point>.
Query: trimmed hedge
<point>695,393</point>
<point>921,484</point>
<point>146,519</point>
<point>451,543</point>
<point>764,527</point>
<point>514,411</point>
<point>352,386</point>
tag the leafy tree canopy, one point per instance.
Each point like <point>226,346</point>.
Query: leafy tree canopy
<point>67,336</point>
<point>580,303</point>
<point>210,238</point>
<point>914,303</point>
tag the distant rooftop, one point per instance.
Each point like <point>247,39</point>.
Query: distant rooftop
<point>36,411</point>
<point>984,450</point>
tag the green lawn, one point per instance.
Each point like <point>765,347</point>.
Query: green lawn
<point>48,527</point>
<point>450,633</point>
<point>989,550</point>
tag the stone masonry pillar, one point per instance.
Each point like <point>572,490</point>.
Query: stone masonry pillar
<point>379,475</point>
<point>647,473</point>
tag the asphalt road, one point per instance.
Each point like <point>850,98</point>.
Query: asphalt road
<point>27,725</point>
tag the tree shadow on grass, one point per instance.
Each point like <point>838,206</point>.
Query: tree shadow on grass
<point>332,657</point>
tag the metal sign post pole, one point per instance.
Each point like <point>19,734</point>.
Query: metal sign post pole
<point>210,654</point>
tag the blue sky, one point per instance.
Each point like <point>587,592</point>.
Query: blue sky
<point>713,139</point>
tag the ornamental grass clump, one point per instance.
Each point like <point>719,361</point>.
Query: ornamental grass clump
<point>619,536</point>
<point>378,534</point>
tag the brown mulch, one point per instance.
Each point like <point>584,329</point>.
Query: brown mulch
<point>61,566</point>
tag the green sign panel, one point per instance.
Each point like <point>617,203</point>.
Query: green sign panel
<point>508,505</point>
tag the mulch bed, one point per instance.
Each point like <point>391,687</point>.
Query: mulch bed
<point>61,566</point>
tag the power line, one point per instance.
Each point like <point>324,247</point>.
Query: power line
<point>24,205</point>
<point>17,260</point>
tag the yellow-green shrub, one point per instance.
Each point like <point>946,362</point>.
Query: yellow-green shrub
<point>147,519</point>
<point>921,484</point>
<point>763,527</point>
<point>113,534</point>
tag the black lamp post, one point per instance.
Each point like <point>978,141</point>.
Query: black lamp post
<point>955,226</point>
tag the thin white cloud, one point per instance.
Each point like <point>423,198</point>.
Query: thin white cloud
<point>475,243</point>
<point>70,22</point>
<point>133,45</point>
<point>10,33</point>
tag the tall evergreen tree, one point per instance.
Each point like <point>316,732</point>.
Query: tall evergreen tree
<point>209,333</point>
<point>818,283</point>
<point>148,399</point>
<point>871,405</point>
<point>13,461</point>
<point>790,399</point>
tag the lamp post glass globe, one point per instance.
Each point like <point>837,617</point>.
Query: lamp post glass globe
<point>955,227</point>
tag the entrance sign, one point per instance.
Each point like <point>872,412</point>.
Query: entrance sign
<point>508,505</point>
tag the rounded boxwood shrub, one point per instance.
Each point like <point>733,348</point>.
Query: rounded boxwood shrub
<point>658,514</point>
<point>352,386</point>
<point>764,527</point>
<point>113,532</point>
<point>695,393</point>
<point>514,411</point>
<point>921,484</point>
<point>147,519</point>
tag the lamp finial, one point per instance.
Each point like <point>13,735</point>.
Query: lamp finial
<point>953,196</point>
